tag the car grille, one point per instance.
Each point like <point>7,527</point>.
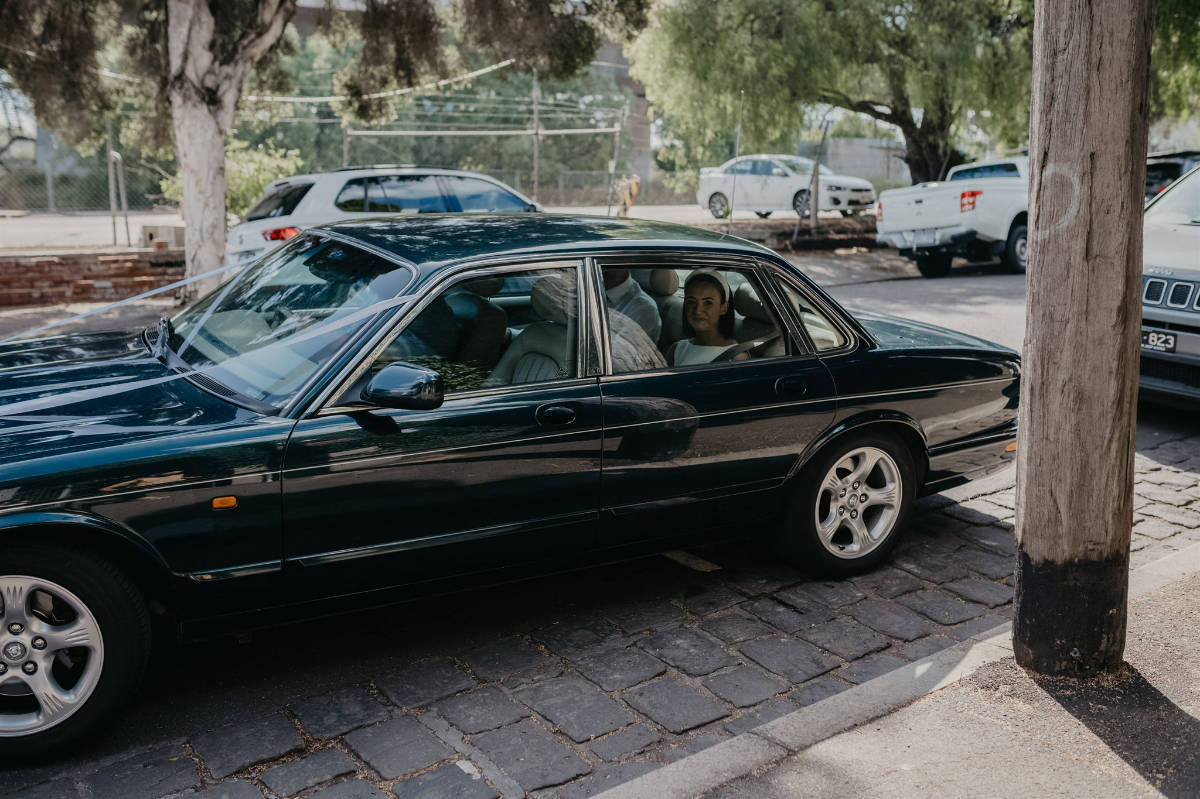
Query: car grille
<point>1180,294</point>
<point>863,190</point>
<point>1172,326</point>
<point>1184,373</point>
<point>1153,291</point>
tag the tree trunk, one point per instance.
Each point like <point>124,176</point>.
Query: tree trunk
<point>1078,397</point>
<point>929,153</point>
<point>200,143</point>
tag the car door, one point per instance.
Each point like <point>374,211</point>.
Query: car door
<point>504,473</point>
<point>742,189</point>
<point>777,186</point>
<point>690,448</point>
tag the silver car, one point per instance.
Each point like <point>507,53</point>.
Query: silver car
<point>1171,294</point>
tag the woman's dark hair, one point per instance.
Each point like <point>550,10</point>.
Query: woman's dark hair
<point>725,323</point>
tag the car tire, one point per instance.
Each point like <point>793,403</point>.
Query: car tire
<point>936,265</point>
<point>827,528</point>
<point>800,203</point>
<point>84,626</point>
<point>718,205</point>
<point>762,214</point>
<point>1016,249</point>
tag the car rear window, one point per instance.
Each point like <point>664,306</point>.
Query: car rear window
<point>989,171</point>
<point>282,203</point>
<point>393,194</point>
<point>479,195</point>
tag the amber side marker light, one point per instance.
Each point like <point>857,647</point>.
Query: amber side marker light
<point>1012,447</point>
<point>224,503</point>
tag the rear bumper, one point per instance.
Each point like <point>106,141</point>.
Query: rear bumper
<point>970,460</point>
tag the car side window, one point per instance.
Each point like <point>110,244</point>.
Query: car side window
<point>479,195</point>
<point>406,194</point>
<point>481,332</point>
<point>742,168</point>
<point>661,317</point>
<point>824,334</point>
<point>353,196</point>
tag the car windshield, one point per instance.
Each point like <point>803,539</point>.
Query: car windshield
<point>1178,205</point>
<point>266,332</point>
<point>802,166</point>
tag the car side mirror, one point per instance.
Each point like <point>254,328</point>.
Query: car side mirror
<point>403,385</point>
<point>533,207</point>
<point>779,173</point>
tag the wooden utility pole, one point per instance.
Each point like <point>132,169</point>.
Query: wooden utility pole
<point>1087,146</point>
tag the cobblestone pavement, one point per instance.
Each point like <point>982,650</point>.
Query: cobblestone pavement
<point>571,684</point>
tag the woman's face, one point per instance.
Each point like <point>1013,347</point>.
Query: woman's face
<point>703,307</point>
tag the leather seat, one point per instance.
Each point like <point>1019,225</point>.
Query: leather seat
<point>483,325</point>
<point>756,323</point>
<point>543,350</point>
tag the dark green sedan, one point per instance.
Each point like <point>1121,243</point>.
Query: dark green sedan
<point>384,408</point>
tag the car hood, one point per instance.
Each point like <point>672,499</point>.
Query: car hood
<point>82,392</point>
<point>897,333</point>
<point>1171,250</point>
<point>847,181</point>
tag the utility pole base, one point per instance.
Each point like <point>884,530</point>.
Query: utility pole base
<point>1070,619</point>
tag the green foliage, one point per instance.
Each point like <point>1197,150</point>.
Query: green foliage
<point>248,170</point>
<point>1175,59</point>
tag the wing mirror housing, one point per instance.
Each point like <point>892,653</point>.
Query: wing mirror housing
<point>403,385</point>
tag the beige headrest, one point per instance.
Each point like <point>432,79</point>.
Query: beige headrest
<point>663,282</point>
<point>485,286</point>
<point>747,302</point>
<point>553,298</point>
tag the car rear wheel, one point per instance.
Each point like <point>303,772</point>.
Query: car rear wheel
<point>74,640</point>
<point>800,203</point>
<point>850,506</point>
<point>1016,249</point>
<point>936,265</point>
<point>718,205</point>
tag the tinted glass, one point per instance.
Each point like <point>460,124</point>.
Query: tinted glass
<point>824,335</point>
<point>353,196</point>
<point>281,203</point>
<point>989,171</point>
<point>741,168</point>
<point>405,194</point>
<point>480,195</point>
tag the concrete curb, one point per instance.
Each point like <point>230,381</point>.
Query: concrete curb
<point>863,703</point>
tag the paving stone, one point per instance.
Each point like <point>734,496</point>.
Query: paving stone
<point>817,689</point>
<point>688,651</point>
<point>648,615</point>
<point>1155,493</point>
<point>767,711</point>
<point>398,747</point>
<point>479,710</point>
<point>56,789</point>
<point>995,538</point>
<point>789,658</point>
<point>926,646</point>
<point>763,579</point>
<point>351,789</point>
<point>976,626</point>
<point>986,563</point>
<point>936,568</point>
<point>785,618</point>
<point>676,706</point>
<point>869,668</point>
<point>933,502</point>
<point>887,582</point>
<point>1138,542</point>
<point>628,741</point>
<point>567,637</point>
<point>734,627</point>
<point>986,507</point>
<point>608,775</point>
<point>156,772</point>
<point>983,591</point>
<point>231,789</point>
<point>744,686</point>
<point>891,618</point>
<point>576,707</point>
<point>232,748</point>
<point>941,607</point>
<point>619,668</point>
<point>1156,529</point>
<point>338,712</point>
<point>499,659</point>
<point>450,781</point>
<point>831,593</point>
<point>1005,499</point>
<point>318,767</point>
<point>1182,517</point>
<point>846,639</point>
<point>530,755</point>
<point>1171,477</point>
<point>968,514</point>
<point>424,682</point>
<point>712,598</point>
<point>686,747</point>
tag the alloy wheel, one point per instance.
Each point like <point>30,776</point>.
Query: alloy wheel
<point>858,503</point>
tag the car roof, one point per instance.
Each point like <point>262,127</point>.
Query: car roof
<point>348,173</point>
<point>431,241</point>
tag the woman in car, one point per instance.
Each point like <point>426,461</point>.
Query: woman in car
<point>708,318</point>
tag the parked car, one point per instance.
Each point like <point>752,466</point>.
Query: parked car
<point>383,408</point>
<point>978,212</point>
<point>767,183</point>
<point>301,201</point>
<point>1170,369</point>
<point>1164,168</point>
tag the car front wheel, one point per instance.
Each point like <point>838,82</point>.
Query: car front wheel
<point>850,506</point>
<point>718,206</point>
<point>74,640</point>
<point>800,203</point>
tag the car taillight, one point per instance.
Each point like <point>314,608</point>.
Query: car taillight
<point>967,201</point>
<point>281,233</point>
<point>878,212</point>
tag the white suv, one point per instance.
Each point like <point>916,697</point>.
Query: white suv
<point>301,201</point>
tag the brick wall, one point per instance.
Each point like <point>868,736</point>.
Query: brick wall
<point>43,279</point>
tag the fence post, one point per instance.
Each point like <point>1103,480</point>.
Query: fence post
<point>536,134</point>
<point>48,167</point>
<point>112,189</point>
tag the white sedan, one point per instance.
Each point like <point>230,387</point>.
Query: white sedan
<point>766,183</point>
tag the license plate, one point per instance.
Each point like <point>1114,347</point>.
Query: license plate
<point>924,238</point>
<point>1158,341</point>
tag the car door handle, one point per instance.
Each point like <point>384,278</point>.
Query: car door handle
<point>555,415</point>
<point>791,387</point>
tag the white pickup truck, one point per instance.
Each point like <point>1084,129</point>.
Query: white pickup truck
<point>979,212</point>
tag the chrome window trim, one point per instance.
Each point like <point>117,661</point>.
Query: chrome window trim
<point>1191,289</point>
<point>1146,290</point>
<point>836,317</point>
<point>388,332</point>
